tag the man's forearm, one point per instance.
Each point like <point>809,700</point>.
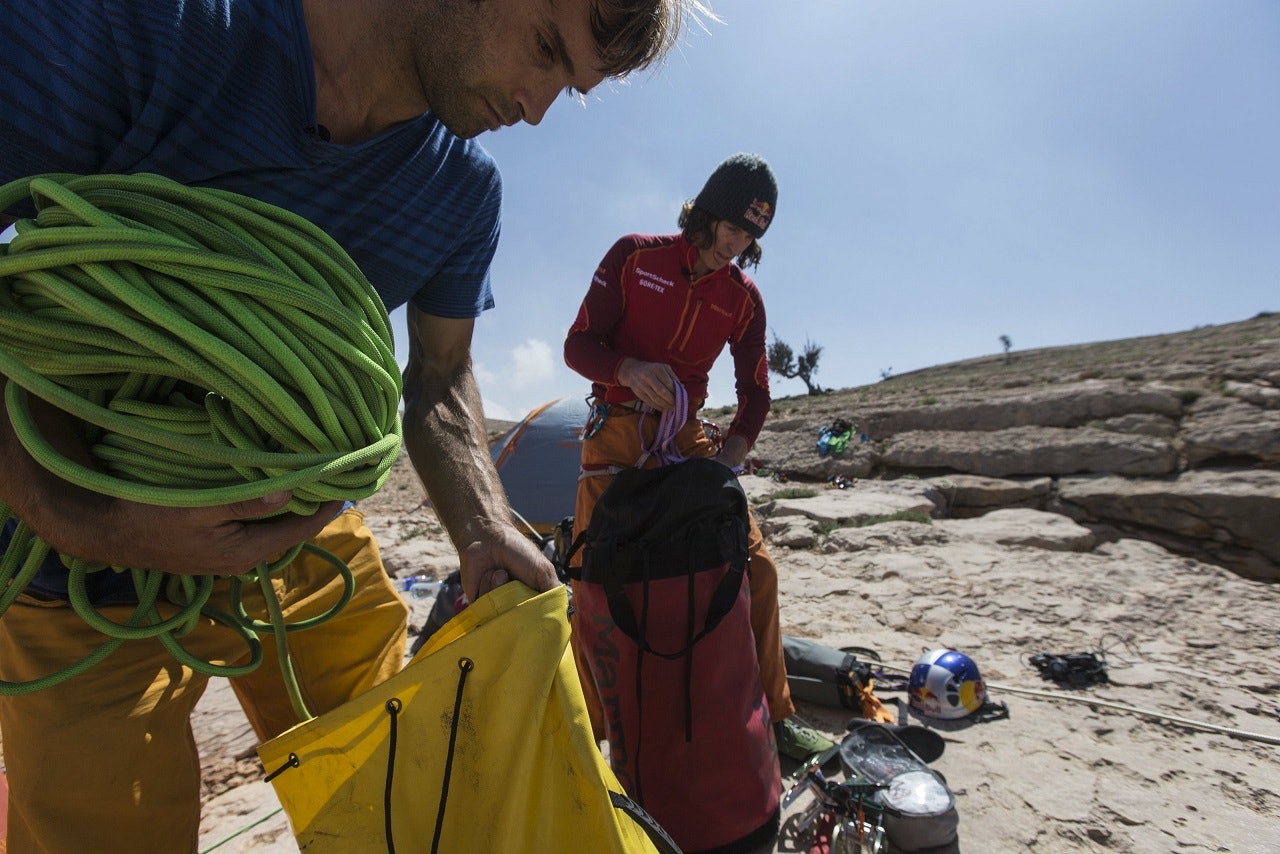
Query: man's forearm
<point>445,435</point>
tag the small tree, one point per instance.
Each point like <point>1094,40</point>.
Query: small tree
<point>783,361</point>
<point>1006,342</point>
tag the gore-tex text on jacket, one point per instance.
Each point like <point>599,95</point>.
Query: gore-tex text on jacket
<point>644,304</point>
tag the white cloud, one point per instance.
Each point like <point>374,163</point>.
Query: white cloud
<point>485,378</point>
<point>532,362</point>
<point>517,379</point>
<point>497,412</point>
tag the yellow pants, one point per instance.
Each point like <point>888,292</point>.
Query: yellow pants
<point>107,761</point>
<point>617,444</point>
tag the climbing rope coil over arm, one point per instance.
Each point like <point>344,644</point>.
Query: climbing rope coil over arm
<point>216,349</point>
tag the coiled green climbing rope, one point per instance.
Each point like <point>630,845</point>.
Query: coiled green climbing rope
<point>216,349</point>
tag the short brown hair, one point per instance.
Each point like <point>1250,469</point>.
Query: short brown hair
<point>696,224</point>
<point>634,34</point>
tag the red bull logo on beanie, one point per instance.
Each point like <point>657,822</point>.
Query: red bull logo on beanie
<point>759,213</point>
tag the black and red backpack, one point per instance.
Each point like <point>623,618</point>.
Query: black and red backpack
<point>665,627</point>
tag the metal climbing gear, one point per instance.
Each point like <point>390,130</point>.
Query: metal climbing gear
<point>1073,669</point>
<point>841,818</point>
<point>595,420</point>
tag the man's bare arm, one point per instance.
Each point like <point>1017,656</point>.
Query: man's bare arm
<point>445,436</point>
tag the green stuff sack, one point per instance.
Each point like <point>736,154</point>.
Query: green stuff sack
<point>832,677</point>
<point>481,743</point>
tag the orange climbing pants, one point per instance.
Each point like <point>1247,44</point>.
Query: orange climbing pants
<point>616,445</point>
<point>107,762</point>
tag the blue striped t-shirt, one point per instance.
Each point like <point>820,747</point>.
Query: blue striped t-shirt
<point>221,93</point>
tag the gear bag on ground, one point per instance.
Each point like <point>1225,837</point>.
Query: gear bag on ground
<point>664,615</point>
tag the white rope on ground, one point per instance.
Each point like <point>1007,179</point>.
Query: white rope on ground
<point>1120,707</point>
<point>1150,713</point>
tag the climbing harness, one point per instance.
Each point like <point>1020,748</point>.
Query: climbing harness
<point>1073,669</point>
<point>216,349</point>
<point>663,447</point>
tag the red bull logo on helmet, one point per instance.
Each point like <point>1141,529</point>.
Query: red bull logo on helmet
<point>945,683</point>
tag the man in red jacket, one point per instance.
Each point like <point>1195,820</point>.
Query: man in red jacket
<point>659,312</point>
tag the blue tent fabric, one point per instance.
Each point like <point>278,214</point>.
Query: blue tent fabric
<point>538,461</point>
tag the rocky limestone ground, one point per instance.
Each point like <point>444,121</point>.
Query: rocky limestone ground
<point>1170,438</point>
<point>1119,498</point>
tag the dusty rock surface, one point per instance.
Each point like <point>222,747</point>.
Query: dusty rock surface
<point>1161,758</point>
<point>1164,574</point>
<point>1169,438</point>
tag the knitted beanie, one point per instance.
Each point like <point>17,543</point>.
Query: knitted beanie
<point>743,191</point>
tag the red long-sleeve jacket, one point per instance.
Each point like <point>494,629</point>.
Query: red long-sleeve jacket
<point>644,304</point>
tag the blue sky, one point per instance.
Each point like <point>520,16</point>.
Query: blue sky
<point>1057,171</point>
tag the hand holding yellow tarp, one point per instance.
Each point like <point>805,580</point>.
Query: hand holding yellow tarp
<point>481,743</point>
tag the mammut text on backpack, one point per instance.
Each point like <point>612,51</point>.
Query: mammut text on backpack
<point>664,608</point>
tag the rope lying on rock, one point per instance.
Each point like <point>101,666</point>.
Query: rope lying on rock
<point>215,348</point>
<point>1091,700</point>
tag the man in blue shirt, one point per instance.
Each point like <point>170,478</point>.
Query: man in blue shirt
<point>360,120</point>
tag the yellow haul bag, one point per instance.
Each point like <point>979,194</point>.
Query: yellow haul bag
<point>480,744</point>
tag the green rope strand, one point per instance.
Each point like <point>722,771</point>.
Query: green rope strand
<point>216,349</point>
